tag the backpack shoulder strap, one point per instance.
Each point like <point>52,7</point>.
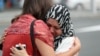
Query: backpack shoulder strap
<point>32,29</point>
<point>32,37</point>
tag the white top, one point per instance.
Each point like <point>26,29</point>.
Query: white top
<point>65,45</point>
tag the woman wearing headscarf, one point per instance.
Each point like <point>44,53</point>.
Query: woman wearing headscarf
<point>60,26</point>
<point>65,41</point>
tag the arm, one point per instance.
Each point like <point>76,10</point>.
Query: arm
<point>2,38</point>
<point>44,49</point>
<point>1,41</point>
<point>73,50</point>
<point>16,52</point>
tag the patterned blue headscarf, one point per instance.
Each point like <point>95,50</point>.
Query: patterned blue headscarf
<point>61,14</point>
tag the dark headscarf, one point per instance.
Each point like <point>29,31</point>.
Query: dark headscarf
<point>61,14</point>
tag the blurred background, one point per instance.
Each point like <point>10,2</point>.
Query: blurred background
<point>85,15</point>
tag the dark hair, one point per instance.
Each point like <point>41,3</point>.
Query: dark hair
<point>37,8</point>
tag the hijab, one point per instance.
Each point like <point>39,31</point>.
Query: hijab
<point>62,15</point>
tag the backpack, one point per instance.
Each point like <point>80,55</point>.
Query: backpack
<point>31,37</point>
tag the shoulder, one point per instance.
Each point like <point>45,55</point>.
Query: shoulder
<point>41,27</point>
<point>40,24</point>
<point>27,16</point>
<point>43,33</point>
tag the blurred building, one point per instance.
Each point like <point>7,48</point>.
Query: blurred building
<point>1,5</point>
<point>71,4</point>
<point>7,4</point>
<point>80,4</point>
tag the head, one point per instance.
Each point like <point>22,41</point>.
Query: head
<point>37,8</point>
<point>58,19</point>
<point>54,27</point>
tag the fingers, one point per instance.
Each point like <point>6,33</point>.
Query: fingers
<point>4,34</point>
<point>2,39</point>
<point>12,54</point>
<point>77,42</point>
<point>21,46</point>
<point>19,52</point>
<point>18,47</point>
<point>13,49</point>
